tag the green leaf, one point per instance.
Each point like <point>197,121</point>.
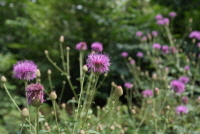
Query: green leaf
<point>92,132</point>
<point>43,131</point>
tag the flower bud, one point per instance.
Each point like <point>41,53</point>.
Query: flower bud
<point>49,72</point>
<point>24,113</point>
<point>156,91</point>
<point>82,132</point>
<point>198,100</point>
<point>63,105</point>
<point>85,68</point>
<point>62,39</point>
<point>46,52</point>
<point>133,111</point>
<point>53,96</point>
<point>112,128</point>
<point>119,91</point>
<point>3,79</point>
<point>38,74</point>
<point>68,48</point>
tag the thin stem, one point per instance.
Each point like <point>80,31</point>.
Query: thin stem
<point>61,94</point>
<point>62,57</point>
<point>22,127</point>
<point>37,120</point>
<point>68,69</point>
<point>54,107</point>
<point>50,82</point>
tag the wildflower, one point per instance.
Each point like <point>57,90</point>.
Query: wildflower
<point>173,49</point>
<point>172,14</point>
<point>166,21</point>
<point>184,79</point>
<point>124,54</point>
<point>132,61</point>
<point>53,95</point>
<point>198,44</point>
<point>98,63</point>
<point>158,17</point>
<point>160,22</point>
<point>3,79</point>
<point>97,47</point>
<point>81,46</point>
<point>144,38</point>
<point>165,49</point>
<point>35,94</point>
<point>177,86</point>
<point>195,34</point>
<point>185,100</point>
<point>187,68</point>
<point>147,93</point>
<point>181,110</point>
<point>139,54</point>
<point>156,46</point>
<point>24,113</point>
<point>154,33</point>
<point>128,85</point>
<point>25,70</point>
<point>119,91</point>
<point>138,33</point>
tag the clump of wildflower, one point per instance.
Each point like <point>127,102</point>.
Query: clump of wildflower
<point>128,85</point>
<point>98,63</point>
<point>165,49</point>
<point>139,54</point>
<point>97,47</point>
<point>172,14</point>
<point>158,17</point>
<point>25,70</point>
<point>147,93</point>
<point>184,79</point>
<point>124,54</point>
<point>156,46</point>
<point>177,86</point>
<point>185,100</point>
<point>181,110</point>
<point>154,33</point>
<point>81,46</point>
<point>35,94</point>
<point>195,34</point>
<point>138,33</point>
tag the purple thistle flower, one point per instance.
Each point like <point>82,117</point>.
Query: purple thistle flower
<point>25,70</point>
<point>138,33</point>
<point>35,94</point>
<point>156,46</point>
<point>98,63</point>
<point>154,33</point>
<point>97,47</point>
<point>165,49</point>
<point>128,85</point>
<point>177,86</point>
<point>124,54</point>
<point>185,100</point>
<point>181,110</point>
<point>132,61</point>
<point>81,46</point>
<point>173,50</point>
<point>184,79</point>
<point>147,93</point>
<point>172,14</point>
<point>158,17</point>
<point>166,21</point>
<point>187,68</point>
<point>140,54</point>
<point>144,38</point>
<point>198,44</point>
<point>195,34</point>
<point>160,22</point>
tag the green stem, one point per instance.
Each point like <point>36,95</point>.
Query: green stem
<point>62,57</point>
<point>61,94</point>
<point>37,120</point>
<point>54,108</point>
<point>22,127</point>
<point>50,82</point>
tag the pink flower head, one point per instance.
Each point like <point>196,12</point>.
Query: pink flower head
<point>195,34</point>
<point>177,86</point>
<point>140,54</point>
<point>154,33</point>
<point>124,54</point>
<point>132,61</point>
<point>144,38</point>
<point>128,85</point>
<point>81,46</point>
<point>138,33</point>
<point>187,68</point>
<point>156,46</point>
<point>98,63</point>
<point>160,22</point>
<point>147,93</point>
<point>184,79</point>
<point>25,70</point>
<point>35,94</point>
<point>158,17</point>
<point>97,47</point>
<point>198,44</point>
<point>181,110</point>
<point>166,21</point>
<point>185,100</point>
<point>172,14</point>
<point>173,50</point>
<point>165,49</point>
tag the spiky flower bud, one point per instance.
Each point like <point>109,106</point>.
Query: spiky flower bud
<point>82,132</point>
<point>68,48</point>
<point>119,91</point>
<point>3,79</point>
<point>85,68</point>
<point>53,96</point>
<point>24,113</point>
<point>112,128</point>
<point>62,39</point>
<point>63,105</point>
<point>38,74</point>
<point>49,72</point>
<point>46,52</point>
